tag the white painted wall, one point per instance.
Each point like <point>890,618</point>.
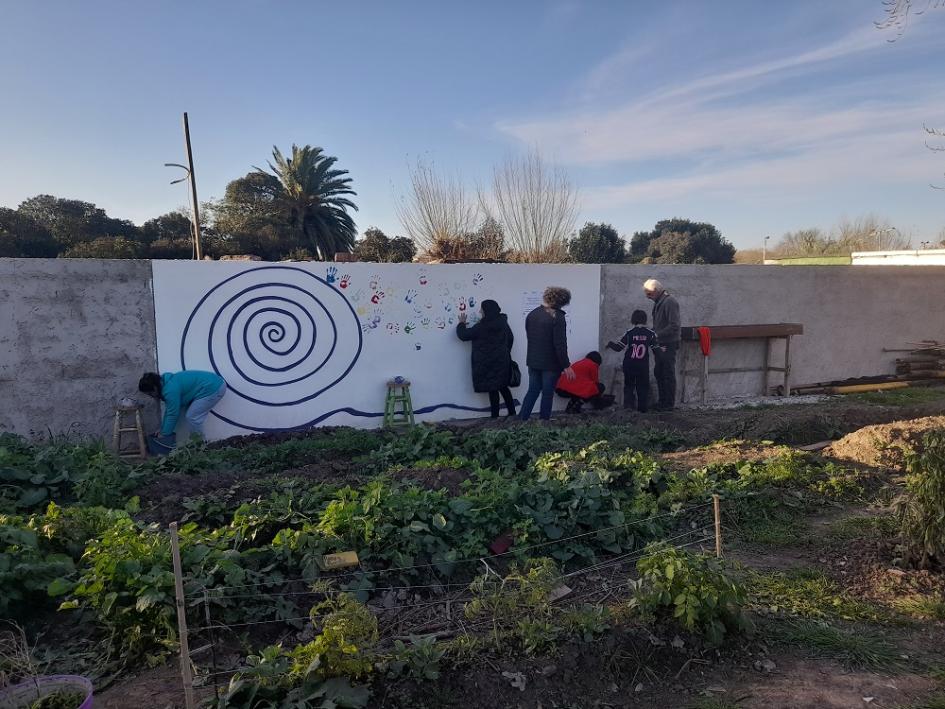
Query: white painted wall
<point>922,257</point>
<point>310,343</point>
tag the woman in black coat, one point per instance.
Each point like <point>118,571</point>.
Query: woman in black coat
<point>492,340</point>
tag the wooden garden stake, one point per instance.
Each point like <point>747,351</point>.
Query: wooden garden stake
<point>185,672</point>
<point>718,526</point>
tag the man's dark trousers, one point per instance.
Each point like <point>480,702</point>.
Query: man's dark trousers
<point>664,370</point>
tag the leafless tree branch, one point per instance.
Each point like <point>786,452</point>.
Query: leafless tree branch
<point>437,209</point>
<point>536,203</point>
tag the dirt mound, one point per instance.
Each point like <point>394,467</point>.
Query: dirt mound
<point>725,452</point>
<point>884,445</point>
<point>450,479</point>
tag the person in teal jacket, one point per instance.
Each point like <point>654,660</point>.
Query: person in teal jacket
<point>190,391</point>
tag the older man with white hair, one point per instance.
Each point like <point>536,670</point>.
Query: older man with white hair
<point>667,328</point>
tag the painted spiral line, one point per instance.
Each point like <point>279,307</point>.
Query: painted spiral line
<point>280,336</point>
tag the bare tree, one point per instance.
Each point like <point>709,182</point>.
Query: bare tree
<point>536,204</point>
<point>438,209</point>
<point>805,242</point>
<point>869,233</point>
<point>898,13</point>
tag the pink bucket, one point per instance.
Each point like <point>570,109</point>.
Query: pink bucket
<point>23,694</point>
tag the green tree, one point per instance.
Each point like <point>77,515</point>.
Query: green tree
<point>375,245</point>
<point>106,247</point>
<point>73,221</point>
<point>597,243</point>
<point>681,241</point>
<point>21,236</point>
<point>170,236</point>
<point>310,196</point>
<point>247,220</point>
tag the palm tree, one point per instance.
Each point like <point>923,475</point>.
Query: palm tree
<point>310,196</point>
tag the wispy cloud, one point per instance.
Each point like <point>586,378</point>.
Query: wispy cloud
<point>735,129</point>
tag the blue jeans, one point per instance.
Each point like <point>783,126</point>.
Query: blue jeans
<point>540,381</point>
<point>198,411</point>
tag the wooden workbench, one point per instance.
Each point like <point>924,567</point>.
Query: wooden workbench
<point>721,333</point>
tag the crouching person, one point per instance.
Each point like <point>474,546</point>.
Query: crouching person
<point>585,387</point>
<point>193,392</point>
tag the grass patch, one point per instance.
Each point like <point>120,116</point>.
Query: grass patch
<point>859,649</point>
<point>713,703</point>
<point>936,702</point>
<point>901,397</point>
<point>921,607</point>
<point>866,527</point>
<point>805,593</point>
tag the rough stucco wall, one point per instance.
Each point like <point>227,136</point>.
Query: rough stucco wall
<point>75,336</point>
<point>849,313</point>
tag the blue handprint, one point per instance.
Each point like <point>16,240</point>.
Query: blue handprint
<point>472,303</point>
<point>447,306</point>
<point>477,279</point>
<point>332,274</point>
<point>411,294</point>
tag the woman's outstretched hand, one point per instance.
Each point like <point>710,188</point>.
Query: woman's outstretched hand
<point>462,318</point>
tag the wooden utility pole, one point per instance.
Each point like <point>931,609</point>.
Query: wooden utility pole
<point>193,190</point>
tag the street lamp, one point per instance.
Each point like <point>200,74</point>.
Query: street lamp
<point>764,250</point>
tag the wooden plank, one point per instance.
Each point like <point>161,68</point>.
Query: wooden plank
<point>741,332</point>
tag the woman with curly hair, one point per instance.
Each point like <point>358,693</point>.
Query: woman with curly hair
<point>546,329</point>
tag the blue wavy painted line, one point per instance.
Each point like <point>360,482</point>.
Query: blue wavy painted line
<point>354,412</point>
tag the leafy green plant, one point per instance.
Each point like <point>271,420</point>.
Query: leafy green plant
<point>691,589</point>
<point>922,508</point>
<point>419,660</point>
<point>587,621</point>
<point>27,570</point>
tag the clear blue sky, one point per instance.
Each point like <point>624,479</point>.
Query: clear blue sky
<point>760,117</point>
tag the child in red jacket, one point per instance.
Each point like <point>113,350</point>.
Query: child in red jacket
<point>585,385</point>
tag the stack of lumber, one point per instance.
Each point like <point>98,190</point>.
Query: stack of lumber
<point>926,360</point>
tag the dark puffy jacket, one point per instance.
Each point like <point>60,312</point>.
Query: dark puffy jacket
<point>492,340</point>
<point>547,332</point>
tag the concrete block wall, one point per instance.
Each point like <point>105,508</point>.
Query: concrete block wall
<point>850,315</point>
<point>75,336</point>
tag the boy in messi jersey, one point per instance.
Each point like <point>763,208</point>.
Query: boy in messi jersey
<point>637,342</point>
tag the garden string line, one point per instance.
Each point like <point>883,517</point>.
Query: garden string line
<point>470,560</point>
<point>616,561</point>
<point>588,569</point>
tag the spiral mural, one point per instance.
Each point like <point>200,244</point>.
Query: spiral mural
<point>280,336</point>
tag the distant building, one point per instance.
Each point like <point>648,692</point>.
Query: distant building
<point>922,257</point>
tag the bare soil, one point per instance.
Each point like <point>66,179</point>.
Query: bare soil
<point>884,445</point>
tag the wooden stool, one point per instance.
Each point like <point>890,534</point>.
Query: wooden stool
<point>398,392</point>
<point>121,412</point>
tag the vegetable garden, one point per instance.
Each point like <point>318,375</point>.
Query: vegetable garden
<point>528,565</point>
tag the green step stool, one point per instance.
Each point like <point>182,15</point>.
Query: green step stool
<point>398,392</point>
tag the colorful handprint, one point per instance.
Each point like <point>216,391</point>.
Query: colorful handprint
<point>462,305</point>
<point>331,275</point>
<point>377,297</point>
<point>410,295</point>
<point>440,323</point>
<point>375,279</point>
<point>472,303</point>
<point>477,279</point>
<point>345,281</point>
<point>409,327</point>
<point>423,279</point>
<point>393,328</point>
